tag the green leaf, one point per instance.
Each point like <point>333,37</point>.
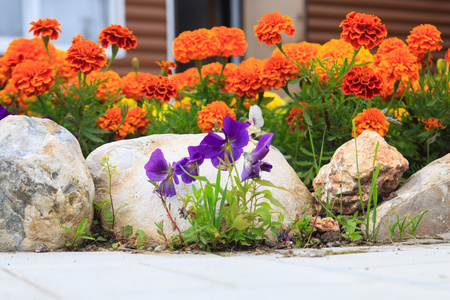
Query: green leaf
<point>101,239</point>
<point>268,196</point>
<point>264,213</point>
<point>240,223</point>
<point>141,235</point>
<point>107,214</point>
<point>92,137</point>
<point>269,184</point>
<point>258,231</point>
<point>306,152</point>
<point>103,203</point>
<point>127,230</point>
<point>82,227</point>
<point>95,130</point>
<point>68,230</point>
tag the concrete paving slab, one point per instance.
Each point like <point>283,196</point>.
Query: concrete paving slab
<point>388,272</point>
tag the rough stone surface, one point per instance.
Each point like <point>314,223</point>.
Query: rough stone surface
<point>44,184</point>
<point>131,184</point>
<point>340,178</point>
<point>325,224</point>
<point>428,189</point>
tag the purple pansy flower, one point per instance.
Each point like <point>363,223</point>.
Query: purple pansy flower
<point>236,138</point>
<point>252,162</point>
<point>190,164</point>
<point>157,169</point>
<point>3,112</point>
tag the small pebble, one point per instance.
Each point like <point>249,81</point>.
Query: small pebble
<point>41,248</point>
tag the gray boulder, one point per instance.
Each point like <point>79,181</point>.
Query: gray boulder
<point>428,189</point>
<point>44,184</point>
<point>144,208</point>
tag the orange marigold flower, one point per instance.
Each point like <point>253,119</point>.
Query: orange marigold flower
<point>10,94</point>
<point>5,73</point>
<point>195,45</point>
<point>117,35</point>
<point>421,60</point>
<point>232,41</point>
<point>215,68</point>
<point>447,55</point>
<point>131,87</point>
<point>387,46</point>
<point>424,38</point>
<point>33,78</point>
<point>47,27</point>
<point>276,71</point>
<point>135,120</point>
<point>247,78</point>
<point>432,123</point>
<point>22,49</point>
<point>398,64</point>
<point>109,83</point>
<point>63,69</point>
<point>302,52</point>
<point>216,110</point>
<point>334,52</point>
<point>362,29</point>
<point>160,87</point>
<point>296,116</point>
<point>138,120</point>
<point>165,67</point>
<point>85,56</point>
<point>371,119</point>
<point>271,26</point>
<point>363,82</point>
<point>185,79</point>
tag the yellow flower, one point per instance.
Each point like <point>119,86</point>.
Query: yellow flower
<point>126,101</point>
<point>276,102</point>
<point>399,113</point>
<point>157,113</point>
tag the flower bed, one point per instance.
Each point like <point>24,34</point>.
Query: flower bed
<point>377,82</point>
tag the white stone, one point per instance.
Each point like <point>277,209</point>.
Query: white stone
<point>131,184</point>
<point>428,189</point>
<point>44,184</point>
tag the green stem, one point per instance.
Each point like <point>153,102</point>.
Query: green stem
<point>114,49</point>
<point>45,39</point>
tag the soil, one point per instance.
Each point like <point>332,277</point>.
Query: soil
<point>318,241</point>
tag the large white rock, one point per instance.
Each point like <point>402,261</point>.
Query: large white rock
<point>131,184</point>
<point>339,179</point>
<point>428,189</point>
<point>44,184</point>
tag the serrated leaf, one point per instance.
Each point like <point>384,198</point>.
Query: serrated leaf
<point>95,130</point>
<point>92,137</point>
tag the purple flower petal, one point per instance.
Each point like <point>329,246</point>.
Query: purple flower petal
<point>253,164</point>
<point>262,148</point>
<point>236,131</point>
<point>167,188</point>
<point>157,168</point>
<point>3,112</point>
<point>266,167</point>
